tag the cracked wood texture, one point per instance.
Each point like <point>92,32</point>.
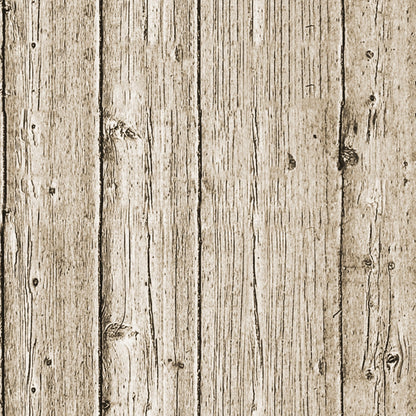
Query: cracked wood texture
<point>379,230</point>
<point>208,207</point>
<point>271,204</point>
<point>150,234</point>
<point>50,234</point>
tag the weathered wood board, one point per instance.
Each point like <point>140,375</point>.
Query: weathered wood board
<point>379,230</point>
<point>207,207</point>
<point>271,203</point>
<point>150,236</point>
<point>50,235</point>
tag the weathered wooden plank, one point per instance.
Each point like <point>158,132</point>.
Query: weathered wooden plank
<point>51,226</point>
<point>271,207</point>
<point>150,266</point>
<point>3,204</point>
<point>379,231</point>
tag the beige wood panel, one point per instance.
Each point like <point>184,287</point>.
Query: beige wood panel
<point>150,261</point>
<point>379,230</point>
<point>251,210</point>
<point>51,222</point>
<point>271,207</point>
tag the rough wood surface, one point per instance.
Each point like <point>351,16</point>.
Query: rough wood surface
<point>51,217</point>
<point>271,204</point>
<point>150,245</point>
<point>207,207</point>
<point>379,229</point>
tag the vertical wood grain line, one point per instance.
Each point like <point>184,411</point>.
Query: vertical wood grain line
<point>199,282</point>
<point>101,204</point>
<point>341,232</point>
<point>4,201</point>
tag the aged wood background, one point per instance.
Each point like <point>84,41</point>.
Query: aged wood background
<point>208,207</point>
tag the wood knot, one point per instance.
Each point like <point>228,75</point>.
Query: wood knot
<point>355,127</point>
<point>369,54</point>
<point>368,262</point>
<point>48,362</point>
<point>369,375</point>
<point>321,366</point>
<point>105,405</point>
<point>177,364</point>
<point>292,162</point>
<point>391,265</point>
<point>392,360</point>
<point>116,331</point>
<point>120,131</point>
<point>349,157</point>
<point>178,53</point>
